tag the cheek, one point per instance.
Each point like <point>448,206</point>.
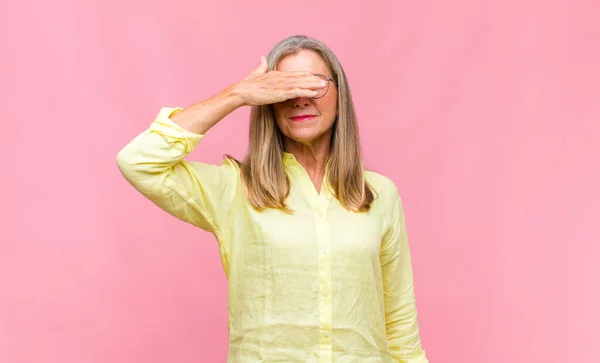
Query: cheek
<point>328,108</point>
<point>278,112</point>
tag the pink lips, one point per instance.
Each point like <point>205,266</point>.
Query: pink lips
<point>303,117</point>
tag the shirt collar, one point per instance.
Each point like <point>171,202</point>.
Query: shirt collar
<point>290,160</point>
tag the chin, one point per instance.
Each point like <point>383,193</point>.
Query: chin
<point>302,138</point>
<point>303,134</point>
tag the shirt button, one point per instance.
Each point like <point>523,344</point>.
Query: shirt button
<point>324,251</point>
<point>325,293</point>
<point>325,334</point>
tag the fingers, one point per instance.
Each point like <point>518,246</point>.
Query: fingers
<point>300,85</point>
<point>303,93</point>
<point>304,79</point>
<point>313,82</point>
<point>278,86</point>
<point>262,67</point>
<point>308,82</point>
<point>263,64</point>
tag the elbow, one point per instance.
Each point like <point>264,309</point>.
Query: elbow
<point>142,172</point>
<point>123,162</point>
<point>126,164</point>
<point>129,166</point>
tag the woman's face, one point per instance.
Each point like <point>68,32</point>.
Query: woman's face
<point>312,129</point>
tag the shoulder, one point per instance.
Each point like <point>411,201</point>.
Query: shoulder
<point>383,186</point>
<point>231,163</point>
<point>387,197</point>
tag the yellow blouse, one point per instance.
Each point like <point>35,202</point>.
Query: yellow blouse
<point>321,285</point>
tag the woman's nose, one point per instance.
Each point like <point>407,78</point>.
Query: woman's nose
<point>301,101</point>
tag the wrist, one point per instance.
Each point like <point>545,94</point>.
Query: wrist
<point>235,95</point>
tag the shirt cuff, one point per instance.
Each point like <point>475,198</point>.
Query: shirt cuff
<point>171,131</point>
<point>175,110</point>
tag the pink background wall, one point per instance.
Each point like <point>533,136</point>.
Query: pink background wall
<point>485,113</point>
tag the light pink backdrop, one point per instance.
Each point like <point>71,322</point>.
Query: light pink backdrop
<point>485,113</point>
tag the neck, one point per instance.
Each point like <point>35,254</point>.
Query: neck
<point>313,156</point>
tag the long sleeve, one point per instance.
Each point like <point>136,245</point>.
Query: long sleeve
<point>197,193</point>
<point>402,329</point>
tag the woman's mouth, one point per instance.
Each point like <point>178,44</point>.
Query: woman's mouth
<point>302,118</point>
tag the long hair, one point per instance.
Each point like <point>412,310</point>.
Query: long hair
<point>263,172</point>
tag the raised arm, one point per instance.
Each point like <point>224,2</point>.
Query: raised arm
<point>201,194</point>
<point>197,193</point>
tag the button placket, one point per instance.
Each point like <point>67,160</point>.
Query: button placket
<point>325,303</point>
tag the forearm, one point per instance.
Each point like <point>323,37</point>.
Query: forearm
<point>402,328</point>
<point>200,117</point>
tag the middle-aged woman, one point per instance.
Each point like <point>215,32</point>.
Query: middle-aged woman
<point>314,246</point>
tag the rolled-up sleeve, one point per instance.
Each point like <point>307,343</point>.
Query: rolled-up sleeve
<point>197,193</point>
<point>402,328</point>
